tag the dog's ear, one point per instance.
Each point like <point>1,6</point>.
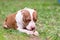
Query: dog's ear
<point>35,9</point>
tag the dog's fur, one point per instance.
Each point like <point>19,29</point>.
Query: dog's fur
<point>24,21</point>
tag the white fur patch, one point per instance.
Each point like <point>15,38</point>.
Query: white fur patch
<point>36,33</point>
<point>18,19</point>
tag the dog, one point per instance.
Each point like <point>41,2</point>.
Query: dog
<point>23,20</point>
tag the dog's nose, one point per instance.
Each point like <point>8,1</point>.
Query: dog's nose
<point>33,28</point>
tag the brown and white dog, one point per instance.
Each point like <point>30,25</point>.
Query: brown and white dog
<point>24,21</point>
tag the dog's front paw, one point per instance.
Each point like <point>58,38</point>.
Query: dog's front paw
<point>29,32</point>
<point>36,33</point>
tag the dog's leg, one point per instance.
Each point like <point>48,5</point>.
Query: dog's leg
<point>25,31</point>
<point>36,33</point>
<point>4,25</point>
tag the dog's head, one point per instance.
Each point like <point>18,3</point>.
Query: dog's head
<point>29,18</point>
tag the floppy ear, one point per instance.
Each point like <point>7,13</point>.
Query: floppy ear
<point>35,9</point>
<point>35,16</point>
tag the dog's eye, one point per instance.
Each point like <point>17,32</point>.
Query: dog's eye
<point>28,20</point>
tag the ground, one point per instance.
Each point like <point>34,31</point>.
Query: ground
<point>48,23</point>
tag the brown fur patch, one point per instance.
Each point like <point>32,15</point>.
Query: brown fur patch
<point>10,21</point>
<point>34,16</point>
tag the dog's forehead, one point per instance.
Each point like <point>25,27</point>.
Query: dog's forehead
<point>30,11</point>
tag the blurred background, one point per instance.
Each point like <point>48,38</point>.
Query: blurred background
<point>48,23</point>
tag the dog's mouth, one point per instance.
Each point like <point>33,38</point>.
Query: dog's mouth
<point>33,29</point>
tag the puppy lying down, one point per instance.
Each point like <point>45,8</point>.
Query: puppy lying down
<point>23,20</point>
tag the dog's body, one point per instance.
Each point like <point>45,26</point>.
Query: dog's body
<point>24,21</point>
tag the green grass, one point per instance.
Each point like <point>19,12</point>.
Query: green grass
<point>48,24</point>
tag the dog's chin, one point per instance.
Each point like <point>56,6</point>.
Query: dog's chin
<point>31,30</point>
